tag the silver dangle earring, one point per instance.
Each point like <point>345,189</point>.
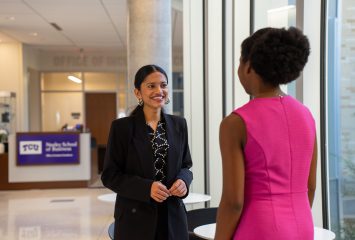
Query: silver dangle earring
<point>167,101</point>
<point>140,102</point>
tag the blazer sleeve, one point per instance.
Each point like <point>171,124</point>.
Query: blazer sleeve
<point>185,174</point>
<point>113,175</point>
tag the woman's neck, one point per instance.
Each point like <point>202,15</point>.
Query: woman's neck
<point>151,115</point>
<point>268,92</point>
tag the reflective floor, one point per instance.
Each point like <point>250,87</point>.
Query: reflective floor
<point>61,214</point>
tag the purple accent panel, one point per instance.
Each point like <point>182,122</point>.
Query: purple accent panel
<point>47,148</point>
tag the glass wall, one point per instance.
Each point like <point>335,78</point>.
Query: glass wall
<point>274,13</point>
<point>62,95</point>
<point>63,101</point>
<point>60,109</point>
<point>177,59</point>
<point>341,116</point>
<point>178,94</point>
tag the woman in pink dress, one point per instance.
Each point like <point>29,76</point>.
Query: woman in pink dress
<point>268,146</point>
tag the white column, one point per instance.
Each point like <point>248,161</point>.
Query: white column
<point>193,89</point>
<point>149,41</point>
<point>311,90</point>
<point>241,30</point>
<point>214,105</point>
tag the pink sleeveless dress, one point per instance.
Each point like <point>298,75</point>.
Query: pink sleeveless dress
<point>278,154</point>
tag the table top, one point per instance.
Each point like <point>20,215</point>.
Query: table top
<point>190,199</point>
<point>196,198</point>
<point>109,197</point>
<point>208,231</point>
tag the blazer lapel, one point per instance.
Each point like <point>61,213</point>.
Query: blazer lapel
<point>173,137</point>
<point>143,145</point>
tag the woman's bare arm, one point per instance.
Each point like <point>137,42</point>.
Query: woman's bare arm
<point>312,179</point>
<point>232,139</point>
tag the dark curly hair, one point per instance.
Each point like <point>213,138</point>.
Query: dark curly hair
<point>277,55</point>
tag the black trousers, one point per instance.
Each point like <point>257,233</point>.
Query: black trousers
<point>162,232</point>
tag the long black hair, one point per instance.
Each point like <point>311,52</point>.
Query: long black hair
<point>141,75</point>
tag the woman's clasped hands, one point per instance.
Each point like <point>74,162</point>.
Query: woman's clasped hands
<point>160,193</point>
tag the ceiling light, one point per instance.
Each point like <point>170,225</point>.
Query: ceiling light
<point>74,79</point>
<point>34,34</point>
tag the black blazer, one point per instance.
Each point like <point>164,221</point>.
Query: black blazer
<point>128,171</point>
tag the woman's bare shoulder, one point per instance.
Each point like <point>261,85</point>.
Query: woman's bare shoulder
<point>233,120</point>
<point>233,129</point>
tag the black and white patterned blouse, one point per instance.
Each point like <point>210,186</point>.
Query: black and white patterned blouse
<point>160,147</point>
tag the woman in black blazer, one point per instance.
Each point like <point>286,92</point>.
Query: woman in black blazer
<point>147,164</point>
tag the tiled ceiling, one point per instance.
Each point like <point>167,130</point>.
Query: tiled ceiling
<point>86,24</point>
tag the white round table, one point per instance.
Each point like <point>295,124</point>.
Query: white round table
<point>323,234</point>
<point>109,197</point>
<point>208,231</point>
<point>190,199</point>
<point>196,198</point>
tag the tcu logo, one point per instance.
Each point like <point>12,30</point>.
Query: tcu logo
<point>30,147</point>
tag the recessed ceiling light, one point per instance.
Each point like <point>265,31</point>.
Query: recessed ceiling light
<point>34,34</point>
<point>74,79</point>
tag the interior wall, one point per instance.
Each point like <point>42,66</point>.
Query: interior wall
<point>58,61</point>
<point>58,81</point>
<point>31,96</point>
<point>11,79</point>
<point>34,101</point>
<point>31,57</point>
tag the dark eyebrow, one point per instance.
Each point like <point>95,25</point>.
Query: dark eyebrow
<point>156,83</point>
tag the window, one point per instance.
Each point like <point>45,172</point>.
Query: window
<point>178,94</point>
<point>341,116</point>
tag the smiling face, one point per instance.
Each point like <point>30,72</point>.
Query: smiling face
<point>153,90</point>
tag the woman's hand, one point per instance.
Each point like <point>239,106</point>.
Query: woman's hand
<point>178,189</point>
<point>159,192</point>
